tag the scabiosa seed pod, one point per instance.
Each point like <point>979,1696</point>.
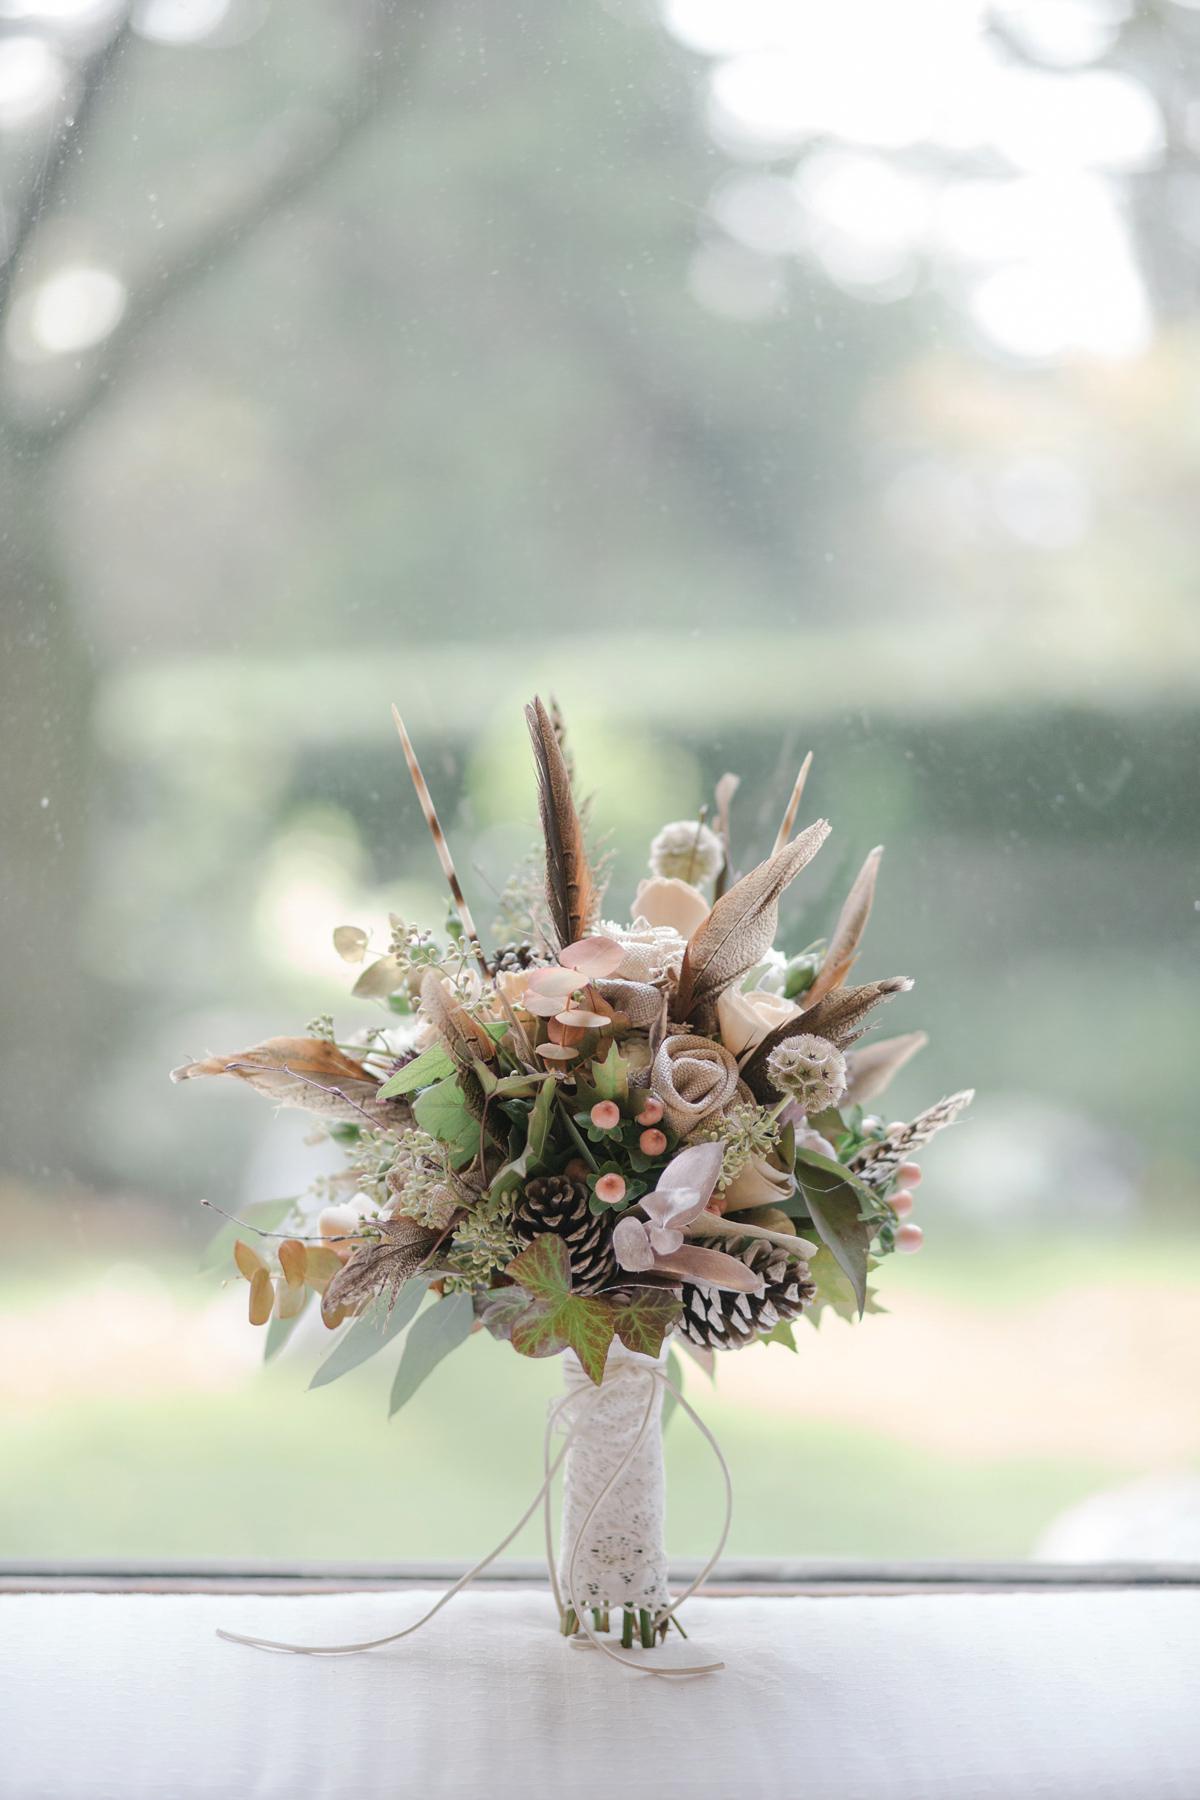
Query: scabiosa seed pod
<point>687,851</point>
<point>809,1070</point>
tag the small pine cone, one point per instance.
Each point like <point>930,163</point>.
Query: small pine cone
<point>509,958</point>
<point>718,1319</point>
<point>555,1203</point>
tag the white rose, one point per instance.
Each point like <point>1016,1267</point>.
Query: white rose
<point>745,1019</point>
<point>667,901</point>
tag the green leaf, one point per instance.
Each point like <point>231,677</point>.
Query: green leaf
<point>644,1319</point>
<point>782,1334</point>
<point>539,1121</point>
<point>498,1309</point>
<point>432,1065</point>
<point>280,1330</point>
<point>829,1123</point>
<point>611,1077</point>
<point>674,1374</point>
<point>556,1319</point>
<point>442,1112</point>
<point>496,1029</point>
<point>839,1172</point>
<point>834,1291</point>
<point>579,1323</point>
<point>371,1331</point>
<point>787,1147</point>
<point>835,1208</point>
<point>431,1336</point>
<point>265,1214</point>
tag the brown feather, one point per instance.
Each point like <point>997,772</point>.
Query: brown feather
<point>852,922</point>
<point>793,805</point>
<point>878,1162</point>
<point>835,1018</point>
<point>871,1068</point>
<point>727,787</point>
<point>440,844</point>
<point>407,1245</point>
<point>740,927</point>
<point>570,887</point>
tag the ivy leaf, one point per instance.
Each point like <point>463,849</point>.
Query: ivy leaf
<point>432,1065</point>
<point>265,1214</point>
<point>834,1291</point>
<point>442,1112</point>
<point>782,1333</point>
<point>835,1208</point>
<point>431,1336</point>
<point>498,1309</point>
<point>371,1332</point>
<point>556,1319</point>
<point>643,1316</point>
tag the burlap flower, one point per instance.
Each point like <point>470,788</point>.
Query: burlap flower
<point>693,1077</point>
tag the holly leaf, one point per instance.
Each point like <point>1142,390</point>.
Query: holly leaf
<point>642,1317</point>
<point>442,1112</point>
<point>433,1064</point>
<point>556,1319</point>
<point>611,1077</point>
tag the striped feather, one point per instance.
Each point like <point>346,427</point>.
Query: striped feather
<point>440,844</point>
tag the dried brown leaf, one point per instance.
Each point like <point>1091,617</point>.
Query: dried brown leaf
<point>848,933</point>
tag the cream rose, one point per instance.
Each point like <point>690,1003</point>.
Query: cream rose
<point>745,1019</point>
<point>760,1183</point>
<point>667,901</point>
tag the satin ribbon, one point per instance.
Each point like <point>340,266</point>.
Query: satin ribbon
<point>542,1498</point>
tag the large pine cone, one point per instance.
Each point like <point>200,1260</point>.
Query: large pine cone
<point>718,1319</point>
<point>555,1203</point>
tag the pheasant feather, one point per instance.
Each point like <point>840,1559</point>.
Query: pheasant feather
<point>877,1163</point>
<point>740,927</point>
<point>440,844</point>
<point>570,886</point>
<point>851,924</point>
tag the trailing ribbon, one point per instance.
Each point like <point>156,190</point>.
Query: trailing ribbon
<point>542,1498</point>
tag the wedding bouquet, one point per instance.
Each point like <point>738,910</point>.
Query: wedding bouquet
<point>600,1138</point>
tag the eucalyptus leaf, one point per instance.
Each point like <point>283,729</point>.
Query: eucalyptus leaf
<point>380,978</point>
<point>280,1330</point>
<point>263,1214</point>
<point>371,1332</point>
<point>433,1064</point>
<point>431,1336</point>
<point>350,942</point>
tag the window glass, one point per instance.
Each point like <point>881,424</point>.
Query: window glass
<point>757,378</point>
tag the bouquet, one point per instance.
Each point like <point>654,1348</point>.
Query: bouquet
<point>599,1140</point>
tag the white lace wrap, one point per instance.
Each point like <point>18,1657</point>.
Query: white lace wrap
<point>617,1557</point>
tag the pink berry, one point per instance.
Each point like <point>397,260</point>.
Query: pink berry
<point>901,1203</point>
<point>651,1113</point>
<point>606,1114</point>
<point>909,1237</point>
<point>652,1143</point>
<point>909,1175</point>
<point>611,1189</point>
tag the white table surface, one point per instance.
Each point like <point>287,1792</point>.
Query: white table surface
<point>1059,1696</point>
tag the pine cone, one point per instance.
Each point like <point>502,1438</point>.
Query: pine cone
<point>718,1319</point>
<point>555,1203</point>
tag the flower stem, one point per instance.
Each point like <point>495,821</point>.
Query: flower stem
<point>627,1630</point>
